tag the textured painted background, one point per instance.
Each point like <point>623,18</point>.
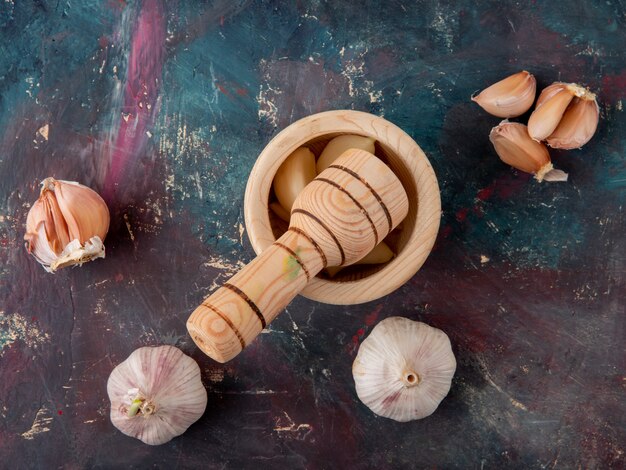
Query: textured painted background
<point>163,108</point>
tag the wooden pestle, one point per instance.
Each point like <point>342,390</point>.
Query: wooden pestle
<point>336,220</point>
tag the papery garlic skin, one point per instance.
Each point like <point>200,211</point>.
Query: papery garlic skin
<point>294,174</point>
<point>516,148</point>
<point>156,394</point>
<point>404,369</point>
<point>333,149</point>
<point>510,97</point>
<point>66,225</point>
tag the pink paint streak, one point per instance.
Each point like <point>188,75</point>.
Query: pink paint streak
<point>145,65</point>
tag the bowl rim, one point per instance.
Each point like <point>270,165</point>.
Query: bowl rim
<point>422,238</point>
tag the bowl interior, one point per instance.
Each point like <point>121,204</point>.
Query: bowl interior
<point>397,239</point>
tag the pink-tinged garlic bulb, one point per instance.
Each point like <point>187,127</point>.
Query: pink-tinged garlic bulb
<point>156,394</point>
<point>66,225</point>
<point>404,369</point>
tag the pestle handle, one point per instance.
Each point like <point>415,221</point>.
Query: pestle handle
<point>227,321</point>
<point>336,220</point>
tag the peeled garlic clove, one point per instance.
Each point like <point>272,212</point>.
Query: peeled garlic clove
<point>156,394</point>
<point>404,369</point>
<point>577,126</point>
<point>515,147</point>
<point>281,212</point>
<point>66,225</point>
<point>294,174</point>
<point>546,117</point>
<point>339,145</point>
<point>380,254</point>
<point>510,97</point>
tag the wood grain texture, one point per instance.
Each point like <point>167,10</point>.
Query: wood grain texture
<point>528,280</point>
<point>410,165</point>
<point>337,219</point>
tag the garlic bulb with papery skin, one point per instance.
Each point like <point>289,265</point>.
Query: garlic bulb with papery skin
<point>66,225</point>
<point>339,145</point>
<point>156,394</point>
<point>510,97</point>
<point>404,369</point>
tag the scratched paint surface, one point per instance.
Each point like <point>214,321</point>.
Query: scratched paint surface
<point>163,108</point>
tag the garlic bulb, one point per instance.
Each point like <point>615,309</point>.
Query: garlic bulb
<point>404,369</point>
<point>510,97</point>
<point>66,225</point>
<point>294,174</point>
<point>333,149</point>
<point>156,394</point>
<point>515,147</point>
<point>566,116</point>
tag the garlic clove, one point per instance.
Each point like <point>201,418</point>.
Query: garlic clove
<point>156,394</point>
<point>66,212</point>
<point>281,212</point>
<point>549,91</point>
<point>510,97</point>
<point>404,369</point>
<point>339,145</point>
<point>294,174</point>
<point>546,117</point>
<point>380,254</point>
<point>578,124</point>
<point>515,147</point>
<point>85,212</point>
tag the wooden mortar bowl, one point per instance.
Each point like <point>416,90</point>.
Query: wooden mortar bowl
<point>411,242</point>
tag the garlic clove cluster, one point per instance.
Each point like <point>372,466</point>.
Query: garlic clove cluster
<point>294,174</point>
<point>404,369</point>
<point>566,116</point>
<point>510,97</point>
<point>156,394</point>
<point>66,225</point>
<point>339,145</point>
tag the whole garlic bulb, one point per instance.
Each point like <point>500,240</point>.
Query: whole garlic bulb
<point>404,369</point>
<point>66,225</point>
<point>156,394</point>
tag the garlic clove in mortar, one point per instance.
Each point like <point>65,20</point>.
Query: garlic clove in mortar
<point>380,254</point>
<point>156,394</point>
<point>66,225</point>
<point>515,147</point>
<point>333,149</point>
<point>404,369</point>
<point>294,174</point>
<point>510,97</point>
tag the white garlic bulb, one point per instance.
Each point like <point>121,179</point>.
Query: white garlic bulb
<point>156,394</point>
<point>404,369</point>
<point>66,225</point>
